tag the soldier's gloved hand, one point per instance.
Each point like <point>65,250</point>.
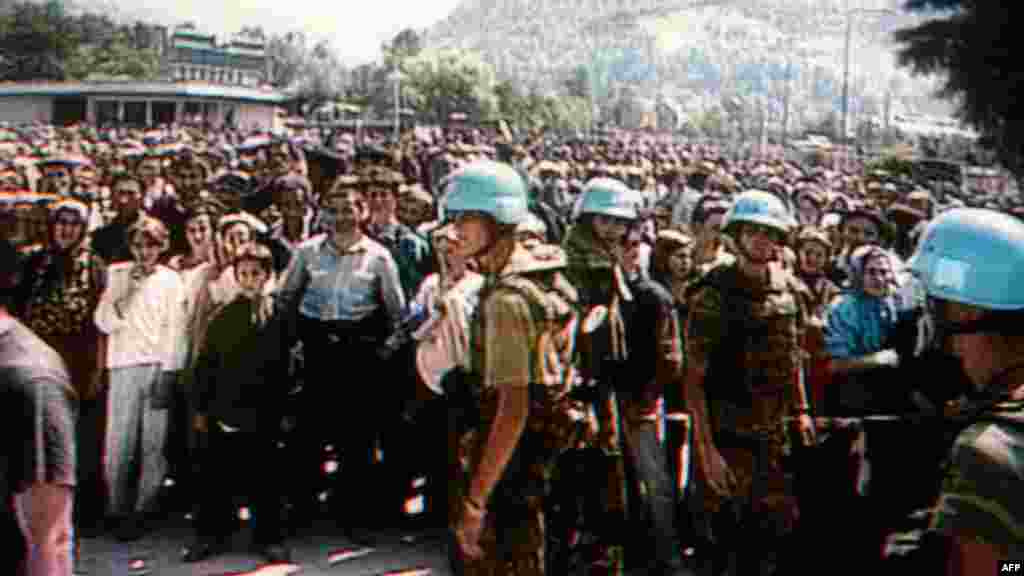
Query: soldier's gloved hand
<point>886,359</point>
<point>805,430</point>
<point>287,424</point>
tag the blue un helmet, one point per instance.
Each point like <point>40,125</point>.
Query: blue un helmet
<point>973,256</point>
<point>487,187</point>
<point>761,208</point>
<point>609,197</point>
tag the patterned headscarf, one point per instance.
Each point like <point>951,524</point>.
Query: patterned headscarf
<point>859,260</point>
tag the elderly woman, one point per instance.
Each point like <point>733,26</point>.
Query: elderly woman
<point>59,293</point>
<point>858,328</point>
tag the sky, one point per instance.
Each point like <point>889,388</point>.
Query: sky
<point>356,27</point>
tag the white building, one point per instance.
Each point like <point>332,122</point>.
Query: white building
<point>138,103</point>
<point>195,56</point>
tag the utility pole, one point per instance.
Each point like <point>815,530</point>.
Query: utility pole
<point>888,113</point>
<point>396,77</point>
<point>846,72</point>
<point>785,103</point>
<point>846,61</point>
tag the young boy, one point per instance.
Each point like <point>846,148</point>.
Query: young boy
<point>241,386</point>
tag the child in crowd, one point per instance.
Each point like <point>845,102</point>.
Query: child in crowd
<point>241,386</point>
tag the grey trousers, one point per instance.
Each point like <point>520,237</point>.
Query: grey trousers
<point>134,463</point>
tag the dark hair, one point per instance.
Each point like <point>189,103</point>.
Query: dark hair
<point>10,268</point>
<point>708,204</point>
<point>256,252</point>
<point>119,177</point>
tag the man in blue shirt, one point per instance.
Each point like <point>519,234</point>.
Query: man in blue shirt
<point>345,295</point>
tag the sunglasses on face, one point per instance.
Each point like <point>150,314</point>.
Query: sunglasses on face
<point>68,221</point>
<point>58,175</point>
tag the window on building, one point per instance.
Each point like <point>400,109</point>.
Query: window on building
<point>106,112</point>
<point>231,116</point>
<point>135,113</point>
<point>193,109</point>
<point>163,112</point>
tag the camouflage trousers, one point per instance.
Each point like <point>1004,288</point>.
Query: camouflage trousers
<point>763,509</point>
<point>513,536</point>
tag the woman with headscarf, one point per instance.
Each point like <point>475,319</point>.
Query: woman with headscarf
<point>858,328</point>
<point>59,292</point>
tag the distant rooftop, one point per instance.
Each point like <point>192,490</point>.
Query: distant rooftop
<point>142,89</point>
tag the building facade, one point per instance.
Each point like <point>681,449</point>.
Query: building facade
<point>140,104</point>
<point>193,56</point>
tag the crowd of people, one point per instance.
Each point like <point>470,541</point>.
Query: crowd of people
<point>603,355</point>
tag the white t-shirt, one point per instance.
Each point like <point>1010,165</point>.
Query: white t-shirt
<point>148,332</point>
<point>443,341</point>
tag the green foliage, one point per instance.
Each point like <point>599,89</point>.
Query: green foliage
<point>36,39</point>
<point>711,123</point>
<point>113,56</point>
<point>893,165</point>
<point>438,83</point>
<point>578,85</point>
<point>971,44</point>
<point>50,42</point>
<point>406,44</point>
<point>534,110</point>
<point>312,72</point>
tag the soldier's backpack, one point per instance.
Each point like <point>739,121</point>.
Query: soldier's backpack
<point>555,418</point>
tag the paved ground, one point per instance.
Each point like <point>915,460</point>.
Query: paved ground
<point>311,550</point>
<point>394,554</point>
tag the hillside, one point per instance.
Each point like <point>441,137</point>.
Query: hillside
<point>698,52</point>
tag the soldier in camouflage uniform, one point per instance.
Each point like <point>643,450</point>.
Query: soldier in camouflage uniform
<point>744,378</point>
<point>499,525</point>
<point>969,261</point>
<point>593,248</point>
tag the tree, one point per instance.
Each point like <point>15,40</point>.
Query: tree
<point>970,43</point>
<point>711,124</point>
<point>287,53</point>
<point>312,73</point>
<point>578,85</point>
<point>36,40</point>
<point>113,57</point>
<point>406,44</point>
<point>440,82</point>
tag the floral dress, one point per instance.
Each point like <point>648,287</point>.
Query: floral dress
<point>60,292</point>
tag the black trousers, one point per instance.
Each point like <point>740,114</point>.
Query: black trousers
<point>651,494</point>
<point>344,404</point>
<point>241,468</point>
